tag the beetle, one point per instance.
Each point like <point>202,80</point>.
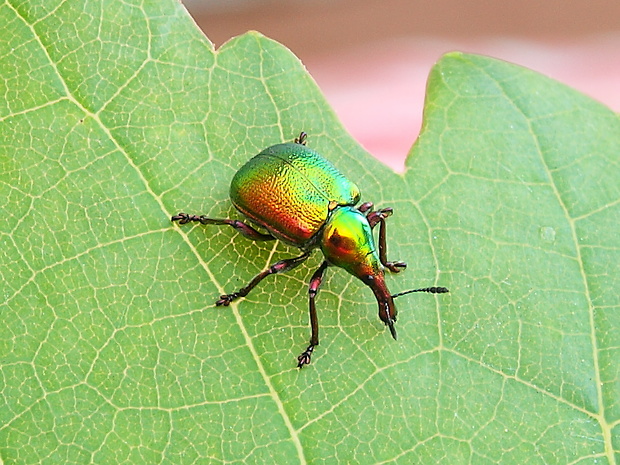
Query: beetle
<point>300,198</point>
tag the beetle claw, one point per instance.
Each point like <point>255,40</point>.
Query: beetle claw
<point>305,357</point>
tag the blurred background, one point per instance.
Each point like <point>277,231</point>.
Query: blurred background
<point>371,58</point>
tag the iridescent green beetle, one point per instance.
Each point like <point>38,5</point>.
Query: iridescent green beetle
<point>300,198</point>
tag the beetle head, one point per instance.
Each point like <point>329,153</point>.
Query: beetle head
<point>347,242</point>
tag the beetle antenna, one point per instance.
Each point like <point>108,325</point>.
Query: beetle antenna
<point>432,290</point>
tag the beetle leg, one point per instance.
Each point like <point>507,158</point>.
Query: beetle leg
<point>366,207</point>
<point>379,217</point>
<point>245,229</point>
<point>313,289</point>
<point>279,267</point>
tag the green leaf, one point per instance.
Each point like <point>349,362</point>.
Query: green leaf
<point>118,114</point>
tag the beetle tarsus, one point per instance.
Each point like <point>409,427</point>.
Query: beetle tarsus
<point>305,357</point>
<point>395,267</point>
<point>226,299</point>
<point>182,218</point>
<point>378,216</point>
<point>302,138</point>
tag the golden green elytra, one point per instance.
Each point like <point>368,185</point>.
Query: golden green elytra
<point>300,198</point>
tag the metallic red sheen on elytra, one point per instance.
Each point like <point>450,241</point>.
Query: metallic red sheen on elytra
<point>287,189</point>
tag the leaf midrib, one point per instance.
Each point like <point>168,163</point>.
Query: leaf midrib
<point>234,307</point>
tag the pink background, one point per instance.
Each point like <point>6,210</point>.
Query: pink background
<point>371,59</point>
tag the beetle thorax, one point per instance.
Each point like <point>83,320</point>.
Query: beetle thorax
<point>346,241</point>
